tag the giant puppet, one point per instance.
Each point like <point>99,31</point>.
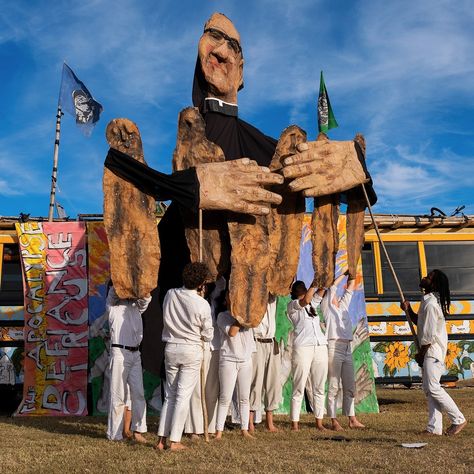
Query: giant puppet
<point>251,210</point>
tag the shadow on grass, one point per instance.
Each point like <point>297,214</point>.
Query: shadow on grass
<point>92,427</point>
<point>391,401</point>
<point>344,439</point>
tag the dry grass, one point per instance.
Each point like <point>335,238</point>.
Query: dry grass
<point>79,445</point>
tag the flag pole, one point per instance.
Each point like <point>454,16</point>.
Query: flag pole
<point>52,197</point>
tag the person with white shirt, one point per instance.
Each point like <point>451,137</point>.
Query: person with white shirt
<point>341,366</point>
<point>433,341</point>
<point>187,325</point>
<point>235,369</point>
<point>310,352</point>
<point>266,362</point>
<point>194,425</point>
<point>126,334</point>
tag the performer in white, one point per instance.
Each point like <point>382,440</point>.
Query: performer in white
<point>310,352</point>
<point>341,367</point>
<point>235,366</point>
<point>266,362</point>
<point>195,422</point>
<point>126,333</point>
<point>433,340</point>
<point>187,324</point>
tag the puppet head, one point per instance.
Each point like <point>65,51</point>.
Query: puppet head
<point>221,58</point>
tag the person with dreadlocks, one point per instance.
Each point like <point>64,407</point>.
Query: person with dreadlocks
<point>433,341</point>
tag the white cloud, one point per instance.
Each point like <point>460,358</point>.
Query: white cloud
<point>394,71</point>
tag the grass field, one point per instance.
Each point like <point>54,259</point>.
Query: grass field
<point>79,445</point>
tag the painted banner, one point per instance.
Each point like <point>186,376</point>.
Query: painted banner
<point>365,398</point>
<point>53,257</point>
<point>99,275</point>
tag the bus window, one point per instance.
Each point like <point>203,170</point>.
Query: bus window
<point>456,259</point>
<point>405,261</point>
<point>11,287</point>
<point>368,269</point>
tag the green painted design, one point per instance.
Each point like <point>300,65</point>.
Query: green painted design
<point>283,324</point>
<point>96,349</point>
<point>96,388</point>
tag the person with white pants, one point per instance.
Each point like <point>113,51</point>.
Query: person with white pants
<point>126,334</point>
<point>310,352</point>
<point>266,369</point>
<point>235,369</point>
<point>433,342</point>
<point>195,422</point>
<point>341,366</point>
<point>187,324</point>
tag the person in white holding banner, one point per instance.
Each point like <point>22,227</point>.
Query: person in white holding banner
<point>341,366</point>
<point>433,340</point>
<point>310,352</point>
<point>126,334</point>
<point>187,324</point>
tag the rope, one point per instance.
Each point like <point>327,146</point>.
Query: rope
<point>402,296</point>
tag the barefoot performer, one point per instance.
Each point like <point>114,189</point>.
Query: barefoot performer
<point>186,323</point>
<point>341,366</point>
<point>433,342</point>
<point>235,368</point>
<point>126,333</point>
<point>266,369</point>
<point>310,352</point>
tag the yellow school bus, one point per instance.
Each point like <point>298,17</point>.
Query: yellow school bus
<point>416,245</point>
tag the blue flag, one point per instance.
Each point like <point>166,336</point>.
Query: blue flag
<point>75,98</point>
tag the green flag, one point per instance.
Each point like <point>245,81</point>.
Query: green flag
<point>326,119</point>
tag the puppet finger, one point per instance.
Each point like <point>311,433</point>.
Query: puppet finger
<point>268,177</point>
<point>297,171</point>
<point>262,195</point>
<point>306,182</point>
<point>244,207</point>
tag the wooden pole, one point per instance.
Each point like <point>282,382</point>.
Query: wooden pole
<point>52,197</point>
<point>205,416</point>
<point>402,296</point>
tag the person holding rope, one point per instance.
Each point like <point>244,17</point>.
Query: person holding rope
<point>341,366</point>
<point>187,323</point>
<point>433,342</point>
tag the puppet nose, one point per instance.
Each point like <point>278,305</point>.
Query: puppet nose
<point>222,51</point>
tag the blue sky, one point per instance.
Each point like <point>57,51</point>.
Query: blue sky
<point>401,73</point>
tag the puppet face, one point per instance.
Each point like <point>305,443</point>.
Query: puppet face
<point>221,58</point>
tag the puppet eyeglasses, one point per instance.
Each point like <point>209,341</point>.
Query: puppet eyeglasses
<point>218,37</point>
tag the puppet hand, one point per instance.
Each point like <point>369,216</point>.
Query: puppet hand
<point>324,167</point>
<point>237,186</point>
